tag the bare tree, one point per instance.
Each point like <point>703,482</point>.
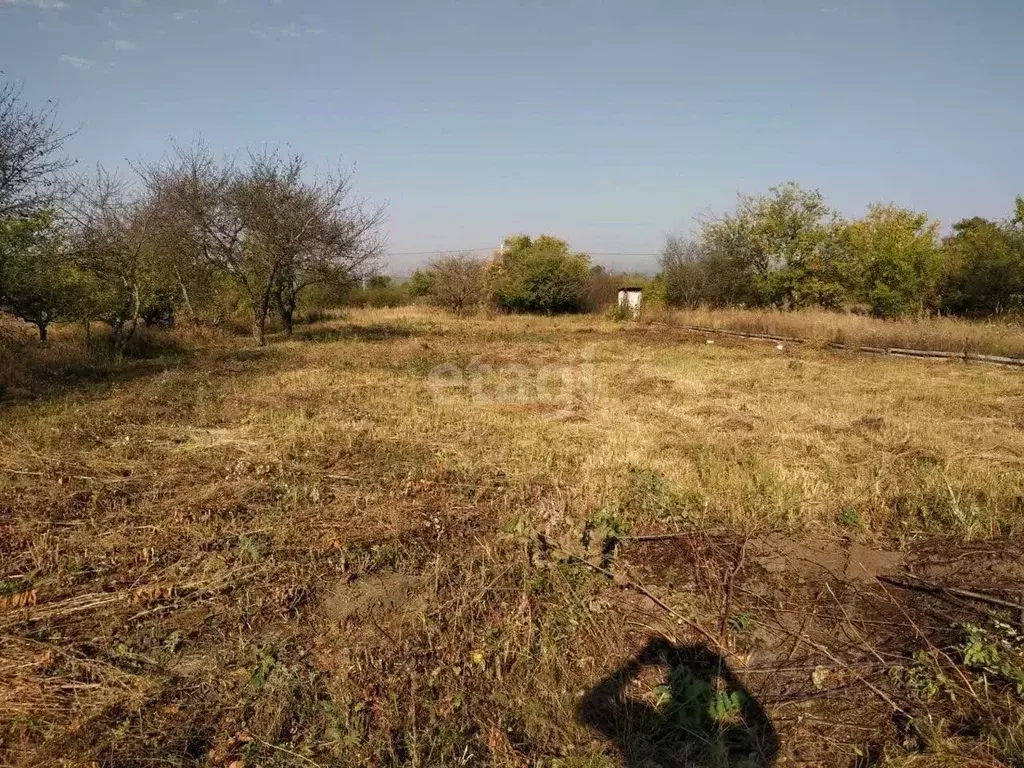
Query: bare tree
<point>306,231</point>
<point>267,226</point>
<point>195,285</point>
<point>684,272</point>
<point>193,193</point>
<point>113,243</point>
<point>457,283</point>
<point>30,160</point>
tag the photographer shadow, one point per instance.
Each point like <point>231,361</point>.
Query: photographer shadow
<point>702,715</point>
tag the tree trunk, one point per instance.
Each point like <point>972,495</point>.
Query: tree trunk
<point>259,324</point>
<point>42,331</point>
<point>286,302</point>
<point>259,329</point>
<point>117,341</point>
<point>288,313</point>
<point>125,328</point>
<point>184,297</point>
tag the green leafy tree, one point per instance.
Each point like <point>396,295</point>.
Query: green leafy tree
<point>539,275</point>
<point>775,249</point>
<point>601,291</point>
<point>30,169</point>
<point>892,257</point>
<point>983,269</point>
<point>379,291</point>
<point>39,281</point>
<point>420,283</point>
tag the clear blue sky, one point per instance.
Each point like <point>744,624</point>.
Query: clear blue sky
<point>608,122</point>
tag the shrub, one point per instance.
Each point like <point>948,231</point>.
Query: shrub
<point>454,282</point>
<point>540,276</point>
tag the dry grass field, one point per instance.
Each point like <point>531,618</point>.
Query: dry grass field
<point>402,538</point>
<point>942,334</point>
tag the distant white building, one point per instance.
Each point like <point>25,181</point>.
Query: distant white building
<point>630,297</point>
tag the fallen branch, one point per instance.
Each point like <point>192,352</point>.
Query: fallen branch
<point>835,660</point>
<point>94,601</point>
<point>931,586</point>
<point>814,696</point>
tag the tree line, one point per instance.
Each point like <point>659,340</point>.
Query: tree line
<point>191,234</point>
<point>210,238</point>
<point>788,249</point>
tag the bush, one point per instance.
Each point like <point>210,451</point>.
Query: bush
<point>539,276</point>
<point>379,292</point>
<point>455,283</point>
<point>601,291</point>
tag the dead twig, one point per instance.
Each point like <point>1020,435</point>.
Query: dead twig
<point>814,696</point>
<point>834,659</point>
<point>657,537</point>
<point>303,758</point>
<point>728,587</point>
<point>622,581</point>
<point>926,586</point>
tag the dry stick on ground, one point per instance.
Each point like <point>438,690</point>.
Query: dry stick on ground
<point>931,585</point>
<point>803,626</point>
<point>927,640</point>
<point>832,657</point>
<point>728,587</point>
<point>846,617</point>
<point>89,478</point>
<point>642,590</point>
<point>815,696</point>
<point>93,601</point>
<point>303,758</point>
<point>668,536</point>
<point>657,537</point>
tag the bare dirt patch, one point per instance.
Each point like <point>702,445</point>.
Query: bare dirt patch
<point>817,559</point>
<point>375,596</point>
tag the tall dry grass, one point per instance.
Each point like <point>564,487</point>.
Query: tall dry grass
<point>69,358</point>
<point>945,334</point>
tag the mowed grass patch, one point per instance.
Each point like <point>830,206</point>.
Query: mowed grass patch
<point>177,538</point>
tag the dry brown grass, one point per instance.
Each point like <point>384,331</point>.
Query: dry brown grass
<point>945,334</point>
<point>184,527</point>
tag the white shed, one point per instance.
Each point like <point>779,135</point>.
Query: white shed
<point>630,297</point>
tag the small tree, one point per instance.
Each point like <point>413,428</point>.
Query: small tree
<point>983,268</point>
<point>420,283</point>
<point>601,290</point>
<point>266,226</point>
<point>112,241</point>
<point>776,249</point>
<point>456,283</point>
<point>539,275</point>
<point>41,283</point>
<point>30,167</point>
<point>684,277</point>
